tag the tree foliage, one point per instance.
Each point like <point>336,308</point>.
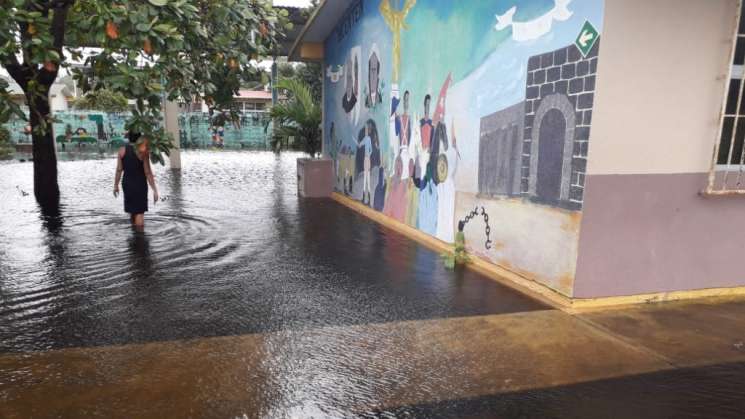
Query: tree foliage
<point>8,108</point>
<point>143,49</point>
<point>103,100</point>
<point>309,73</point>
<point>298,117</point>
<point>6,148</point>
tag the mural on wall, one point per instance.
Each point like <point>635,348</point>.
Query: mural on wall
<point>463,105</point>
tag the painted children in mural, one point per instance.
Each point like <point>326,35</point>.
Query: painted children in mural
<point>373,98</point>
<point>367,145</point>
<point>349,100</point>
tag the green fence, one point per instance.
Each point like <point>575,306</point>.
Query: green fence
<point>195,131</point>
<point>83,127</point>
<point>107,130</point>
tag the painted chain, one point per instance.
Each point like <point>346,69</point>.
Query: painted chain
<point>487,229</point>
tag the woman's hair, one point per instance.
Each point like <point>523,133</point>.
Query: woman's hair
<point>133,136</point>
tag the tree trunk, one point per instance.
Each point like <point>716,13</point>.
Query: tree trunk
<point>46,188</point>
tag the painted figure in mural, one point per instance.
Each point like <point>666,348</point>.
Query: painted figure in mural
<point>68,132</point>
<point>437,170</point>
<point>403,133</point>
<point>425,124</point>
<point>394,128</point>
<point>443,168</point>
<point>356,83</point>
<point>405,123</point>
<point>395,21</point>
<point>438,164</point>
<point>373,98</point>
<point>427,217</point>
<point>367,145</point>
<point>334,151</point>
<point>335,76</point>
<point>349,100</point>
<point>379,200</point>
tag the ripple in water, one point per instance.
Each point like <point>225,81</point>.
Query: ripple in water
<point>230,250</point>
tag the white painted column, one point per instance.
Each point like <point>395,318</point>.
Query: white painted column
<point>171,120</point>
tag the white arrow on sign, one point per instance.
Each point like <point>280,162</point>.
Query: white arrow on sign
<point>585,38</point>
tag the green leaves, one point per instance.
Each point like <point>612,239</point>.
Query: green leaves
<point>144,51</point>
<point>103,100</point>
<point>299,116</point>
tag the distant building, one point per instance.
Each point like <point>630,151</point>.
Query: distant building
<point>247,100</point>
<point>61,93</point>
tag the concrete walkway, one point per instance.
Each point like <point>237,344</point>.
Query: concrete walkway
<point>641,361</point>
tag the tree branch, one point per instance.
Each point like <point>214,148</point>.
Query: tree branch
<point>21,73</point>
<point>59,9</point>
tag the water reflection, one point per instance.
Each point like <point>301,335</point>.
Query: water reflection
<point>139,255</point>
<point>230,250</point>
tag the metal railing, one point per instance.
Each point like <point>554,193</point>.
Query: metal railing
<point>727,171</point>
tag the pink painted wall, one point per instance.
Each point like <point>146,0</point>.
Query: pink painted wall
<point>661,82</point>
<point>654,233</point>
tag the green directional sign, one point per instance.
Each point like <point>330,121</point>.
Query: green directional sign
<point>586,38</point>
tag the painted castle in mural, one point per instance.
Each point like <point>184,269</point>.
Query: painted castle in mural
<point>484,128</point>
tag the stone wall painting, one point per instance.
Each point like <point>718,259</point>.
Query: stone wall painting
<point>500,152</point>
<point>494,115</point>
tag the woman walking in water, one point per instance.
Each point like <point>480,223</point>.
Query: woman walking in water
<point>137,174</point>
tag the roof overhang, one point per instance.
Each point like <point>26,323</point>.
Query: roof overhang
<point>309,44</point>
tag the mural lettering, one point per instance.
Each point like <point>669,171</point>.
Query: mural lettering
<point>353,15</point>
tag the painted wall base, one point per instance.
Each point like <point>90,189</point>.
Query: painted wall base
<point>646,234</point>
<point>530,287</point>
<point>536,241</point>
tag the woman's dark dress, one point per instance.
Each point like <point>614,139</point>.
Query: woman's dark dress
<point>134,183</point>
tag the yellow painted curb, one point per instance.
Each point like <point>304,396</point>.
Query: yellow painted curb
<point>588,304</point>
<point>528,286</point>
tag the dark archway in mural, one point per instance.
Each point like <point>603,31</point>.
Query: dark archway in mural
<point>551,150</point>
<point>551,140</point>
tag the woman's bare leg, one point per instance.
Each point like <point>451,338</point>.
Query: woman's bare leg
<point>138,220</point>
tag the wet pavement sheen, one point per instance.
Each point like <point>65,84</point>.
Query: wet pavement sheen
<point>243,301</point>
<point>231,250</point>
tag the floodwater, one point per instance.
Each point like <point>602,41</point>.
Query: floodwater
<point>243,298</point>
<point>230,250</point>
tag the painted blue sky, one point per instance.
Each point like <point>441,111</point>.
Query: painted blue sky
<point>460,38</point>
<point>456,37</point>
